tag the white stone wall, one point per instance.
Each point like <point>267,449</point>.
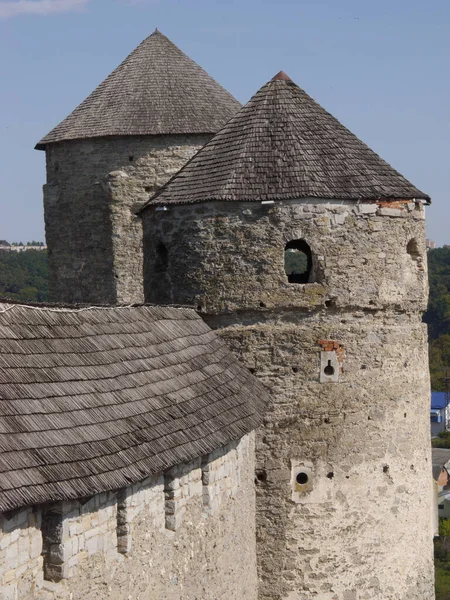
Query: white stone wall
<point>221,475</point>
<point>21,571</point>
<point>182,484</point>
<point>145,495</point>
<point>76,529</point>
<point>169,522</point>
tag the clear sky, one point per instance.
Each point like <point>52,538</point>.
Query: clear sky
<point>381,67</point>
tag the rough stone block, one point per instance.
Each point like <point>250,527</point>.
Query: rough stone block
<point>392,212</point>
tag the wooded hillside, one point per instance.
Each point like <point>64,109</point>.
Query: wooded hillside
<point>24,275</point>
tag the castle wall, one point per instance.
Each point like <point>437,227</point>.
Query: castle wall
<point>21,566</point>
<point>344,493</point>
<point>121,544</point>
<point>93,189</point>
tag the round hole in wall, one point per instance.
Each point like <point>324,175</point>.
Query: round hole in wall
<point>262,305</point>
<point>330,475</point>
<point>261,475</point>
<point>295,369</point>
<point>329,369</point>
<point>302,478</point>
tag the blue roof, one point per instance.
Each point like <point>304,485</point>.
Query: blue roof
<point>438,400</point>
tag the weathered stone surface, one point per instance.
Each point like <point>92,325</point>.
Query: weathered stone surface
<point>20,553</point>
<point>222,259</point>
<point>362,502</point>
<point>93,188</point>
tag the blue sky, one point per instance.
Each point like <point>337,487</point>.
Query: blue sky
<point>380,67</point>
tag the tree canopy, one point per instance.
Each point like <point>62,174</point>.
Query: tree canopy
<point>438,315</point>
<point>24,275</point>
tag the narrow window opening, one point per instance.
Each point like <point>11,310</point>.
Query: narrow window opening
<point>329,369</point>
<point>298,261</point>
<point>161,259</point>
<point>131,158</point>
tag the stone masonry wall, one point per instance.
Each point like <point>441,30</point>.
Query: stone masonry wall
<point>230,257</point>
<point>83,542</point>
<point>74,529</point>
<point>145,495</point>
<point>182,485</point>
<point>344,490</point>
<point>93,189</point>
<point>221,477</point>
<point>21,568</point>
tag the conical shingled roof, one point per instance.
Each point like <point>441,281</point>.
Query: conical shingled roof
<point>157,90</point>
<point>282,145</point>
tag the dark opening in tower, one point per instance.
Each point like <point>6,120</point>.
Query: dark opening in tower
<point>161,258</point>
<point>298,261</point>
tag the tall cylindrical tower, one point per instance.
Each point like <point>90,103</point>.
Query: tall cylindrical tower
<point>307,252</point>
<point>137,129</point>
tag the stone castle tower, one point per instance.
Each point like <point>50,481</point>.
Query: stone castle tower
<point>138,128</point>
<point>343,459</point>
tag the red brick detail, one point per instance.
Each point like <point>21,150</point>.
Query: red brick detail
<point>400,204</point>
<point>333,346</point>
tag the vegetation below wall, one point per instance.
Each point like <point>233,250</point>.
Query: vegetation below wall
<point>438,315</point>
<point>24,275</point>
<point>442,560</point>
<point>442,440</point>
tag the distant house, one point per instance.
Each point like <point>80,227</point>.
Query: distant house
<point>441,468</point>
<point>439,413</point>
<point>25,248</point>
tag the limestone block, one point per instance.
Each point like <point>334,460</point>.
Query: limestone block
<point>367,209</point>
<point>8,592</point>
<point>392,212</point>
<point>11,557</point>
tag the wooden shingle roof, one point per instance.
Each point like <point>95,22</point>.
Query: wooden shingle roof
<point>92,400</point>
<point>157,90</point>
<point>282,145</point>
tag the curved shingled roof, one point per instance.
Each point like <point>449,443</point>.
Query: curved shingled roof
<point>95,399</point>
<point>157,90</point>
<point>283,145</point>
